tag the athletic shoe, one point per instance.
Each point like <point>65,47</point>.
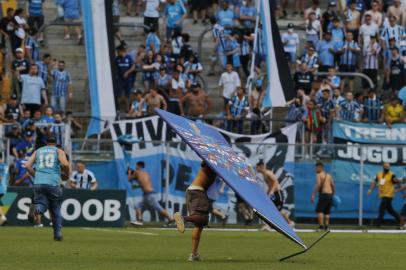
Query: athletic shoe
<point>194,258</point>
<point>292,224</point>
<point>39,225</point>
<point>326,228</point>
<point>58,238</point>
<point>137,223</point>
<point>3,220</point>
<point>170,224</point>
<point>180,224</point>
<point>320,229</point>
<point>266,227</point>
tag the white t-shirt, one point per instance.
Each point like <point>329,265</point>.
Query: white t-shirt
<point>314,29</point>
<point>20,32</point>
<point>366,31</point>
<point>178,84</point>
<point>230,82</point>
<point>151,7</point>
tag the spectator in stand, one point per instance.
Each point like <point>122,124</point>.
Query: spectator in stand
<point>196,101</point>
<point>129,4</point>
<point>353,19</point>
<point>151,13</point>
<point>313,122</point>
<point>226,17</point>
<point>394,112</point>
<point>36,16</point>
<point>255,101</point>
<point>248,15</point>
<point>71,13</point>
<point>193,68</point>
<point>14,136</point>
<point>83,178</point>
<point>311,58</point>
<point>7,27</point>
<point>398,11</point>
<point>186,51</point>
<point>337,97</point>
<point>218,36</point>
<point>327,110</point>
<point>326,52</point>
<point>232,50</point>
<point>174,15</point>
<point>361,5</point>
<point>373,108</point>
<point>152,42</point>
<point>43,68</point>
<point>393,30</point>
<point>229,81</point>
<point>163,80</point>
<point>116,19</point>
<point>48,117</point>
<point>303,78</point>
<point>138,107</point>
<point>12,110</point>
<point>62,87</point>
<point>337,36</point>
<point>177,90</point>
<point>27,145</point>
<point>150,68</point>
<point>314,8</point>
<point>314,31</point>
<point>348,60</point>
<point>334,80</point>
<point>33,88</point>
<point>291,43</point>
<point>125,74</point>
<point>328,16</point>
<point>245,53</point>
<point>396,79</point>
<point>20,25</point>
<point>349,109</point>
<point>367,30</point>
<point>371,53</point>
<point>32,49</point>
<point>296,111</point>
<point>237,109</point>
<point>21,65</point>
<point>18,173</point>
<point>198,6</point>
<point>376,13</point>
<point>154,100</point>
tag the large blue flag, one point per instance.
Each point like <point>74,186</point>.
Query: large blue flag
<point>210,145</point>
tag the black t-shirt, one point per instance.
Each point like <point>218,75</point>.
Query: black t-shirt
<point>21,63</point>
<point>7,25</point>
<point>303,80</point>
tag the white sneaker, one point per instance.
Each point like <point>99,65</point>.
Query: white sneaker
<point>292,224</point>
<point>3,220</point>
<point>137,223</point>
<point>266,227</point>
<point>180,224</point>
<point>194,258</point>
<point>39,226</point>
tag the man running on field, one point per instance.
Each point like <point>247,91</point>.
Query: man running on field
<point>149,197</point>
<point>48,162</point>
<point>198,206</point>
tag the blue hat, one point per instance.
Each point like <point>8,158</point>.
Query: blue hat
<point>28,133</point>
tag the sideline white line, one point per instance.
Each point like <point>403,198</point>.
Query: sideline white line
<point>118,231</point>
<point>296,230</point>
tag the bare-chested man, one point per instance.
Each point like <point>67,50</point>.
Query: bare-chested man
<point>149,197</point>
<point>198,206</point>
<point>154,100</point>
<point>274,189</point>
<point>196,101</point>
<point>325,187</point>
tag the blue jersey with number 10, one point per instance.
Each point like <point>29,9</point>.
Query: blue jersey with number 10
<point>47,169</point>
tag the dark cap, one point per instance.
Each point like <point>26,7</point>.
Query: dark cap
<point>28,133</point>
<point>195,85</point>
<point>30,122</point>
<point>332,4</point>
<point>291,26</point>
<point>14,126</point>
<point>13,96</point>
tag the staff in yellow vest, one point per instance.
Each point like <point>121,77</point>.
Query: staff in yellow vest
<point>386,181</point>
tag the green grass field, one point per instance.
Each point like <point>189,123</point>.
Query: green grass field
<point>115,249</point>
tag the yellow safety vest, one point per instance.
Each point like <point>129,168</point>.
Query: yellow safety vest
<point>385,184</point>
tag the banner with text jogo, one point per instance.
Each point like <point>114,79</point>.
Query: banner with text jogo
<point>184,163</point>
<point>374,144</point>
<point>84,208</point>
